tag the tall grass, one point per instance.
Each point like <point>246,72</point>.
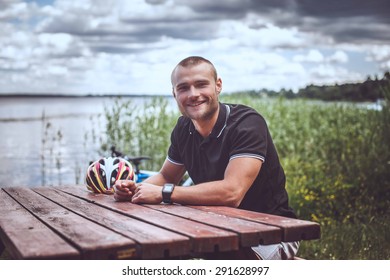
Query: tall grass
<point>337,163</point>
<point>336,158</point>
<point>139,131</point>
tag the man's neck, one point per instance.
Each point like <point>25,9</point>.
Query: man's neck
<point>205,127</point>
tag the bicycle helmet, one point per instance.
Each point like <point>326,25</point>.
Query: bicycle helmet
<point>102,174</point>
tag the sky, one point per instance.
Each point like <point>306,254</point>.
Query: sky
<point>131,46</point>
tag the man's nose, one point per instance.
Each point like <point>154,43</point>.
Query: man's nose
<point>193,92</point>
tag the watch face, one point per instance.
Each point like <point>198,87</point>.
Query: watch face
<point>167,192</point>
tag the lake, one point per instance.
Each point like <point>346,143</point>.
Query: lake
<point>48,140</point>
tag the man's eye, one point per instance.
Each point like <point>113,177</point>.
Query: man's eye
<point>202,85</point>
<point>181,89</point>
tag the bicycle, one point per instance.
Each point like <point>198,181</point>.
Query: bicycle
<point>136,161</point>
<point>142,174</point>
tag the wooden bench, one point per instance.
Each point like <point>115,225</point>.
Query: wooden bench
<point>73,223</point>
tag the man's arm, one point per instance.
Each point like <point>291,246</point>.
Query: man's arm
<point>169,173</point>
<point>239,176</point>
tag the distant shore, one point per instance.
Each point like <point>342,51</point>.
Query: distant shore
<point>54,95</point>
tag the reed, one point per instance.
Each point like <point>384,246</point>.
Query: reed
<point>51,156</point>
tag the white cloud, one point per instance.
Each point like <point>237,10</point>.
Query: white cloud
<point>313,56</point>
<point>316,57</point>
<point>329,74</point>
<point>249,69</point>
<point>58,70</point>
<point>60,42</point>
<point>14,10</point>
<point>385,66</point>
<point>379,53</point>
<point>338,57</point>
<point>265,36</point>
<point>131,46</point>
<point>139,10</point>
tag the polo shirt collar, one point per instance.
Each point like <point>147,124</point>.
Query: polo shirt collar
<point>223,115</point>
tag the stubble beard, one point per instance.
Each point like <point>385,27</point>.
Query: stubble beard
<point>205,115</point>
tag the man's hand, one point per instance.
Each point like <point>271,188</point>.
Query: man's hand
<point>147,193</point>
<point>124,190</point>
<point>127,190</point>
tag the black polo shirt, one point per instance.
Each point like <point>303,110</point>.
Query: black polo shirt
<point>239,132</point>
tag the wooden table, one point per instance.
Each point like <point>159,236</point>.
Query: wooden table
<point>73,223</point>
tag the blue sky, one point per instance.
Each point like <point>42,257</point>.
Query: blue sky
<point>121,46</point>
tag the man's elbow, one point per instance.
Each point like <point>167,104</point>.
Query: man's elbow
<point>234,199</point>
<point>233,204</point>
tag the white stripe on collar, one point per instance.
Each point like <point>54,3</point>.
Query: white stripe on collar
<point>227,117</point>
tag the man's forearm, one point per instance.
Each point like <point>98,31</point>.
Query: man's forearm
<point>157,179</point>
<point>209,193</point>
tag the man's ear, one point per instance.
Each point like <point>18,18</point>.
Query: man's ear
<point>173,93</point>
<point>218,85</point>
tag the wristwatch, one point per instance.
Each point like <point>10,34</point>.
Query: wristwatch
<point>167,192</point>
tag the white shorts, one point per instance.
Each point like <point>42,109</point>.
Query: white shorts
<point>281,251</point>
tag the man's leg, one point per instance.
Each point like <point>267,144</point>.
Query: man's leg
<point>281,251</point>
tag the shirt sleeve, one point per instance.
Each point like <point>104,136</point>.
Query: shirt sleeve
<point>249,139</point>
<point>173,151</point>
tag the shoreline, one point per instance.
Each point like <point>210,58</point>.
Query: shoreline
<point>56,95</point>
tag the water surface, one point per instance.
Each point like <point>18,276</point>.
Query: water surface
<point>49,141</point>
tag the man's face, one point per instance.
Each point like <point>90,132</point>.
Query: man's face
<point>196,91</point>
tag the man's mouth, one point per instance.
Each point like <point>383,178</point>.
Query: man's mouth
<point>195,104</point>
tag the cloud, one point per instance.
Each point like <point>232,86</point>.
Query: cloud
<point>338,57</point>
<point>381,56</point>
<point>355,21</point>
<point>315,56</point>
<point>131,46</point>
<point>345,9</point>
<point>11,9</point>
<point>330,74</point>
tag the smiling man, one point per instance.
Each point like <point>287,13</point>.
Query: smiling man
<point>226,149</point>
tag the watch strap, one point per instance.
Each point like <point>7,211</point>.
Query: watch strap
<point>167,192</point>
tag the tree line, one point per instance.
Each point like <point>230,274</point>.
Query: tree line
<point>369,90</point>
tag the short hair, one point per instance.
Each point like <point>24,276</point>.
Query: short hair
<point>193,61</point>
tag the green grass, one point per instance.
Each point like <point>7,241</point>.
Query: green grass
<point>352,241</point>
<point>336,158</point>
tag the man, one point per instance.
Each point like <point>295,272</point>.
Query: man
<point>226,149</point>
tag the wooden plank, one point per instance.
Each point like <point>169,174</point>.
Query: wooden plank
<point>250,233</point>
<point>155,242</point>
<point>293,229</point>
<point>204,238</point>
<point>25,237</point>
<point>91,239</point>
